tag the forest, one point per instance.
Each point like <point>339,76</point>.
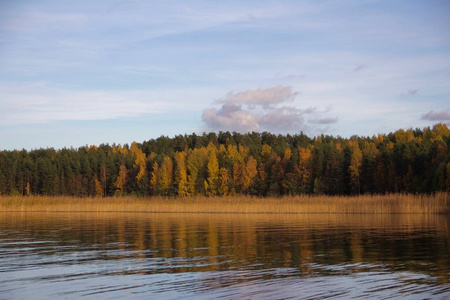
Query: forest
<point>224,163</point>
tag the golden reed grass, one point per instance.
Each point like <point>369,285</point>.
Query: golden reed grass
<point>365,204</point>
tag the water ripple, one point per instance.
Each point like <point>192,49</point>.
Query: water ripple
<point>194,257</point>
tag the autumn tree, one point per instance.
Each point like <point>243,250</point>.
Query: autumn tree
<point>196,162</point>
<point>304,168</point>
<point>211,183</point>
<point>121,180</point>
<point>412,160</point>
<point>98,188</point>
<point>224,181</point>
<point>181,174</point>
<point>232,156</point>
<point>249,171</point>
<point>165,176</point>
<point>139,162</point>
<point>154,178</point>
<point>238,171</point>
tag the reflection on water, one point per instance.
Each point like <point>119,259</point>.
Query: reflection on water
<point>110,255</point>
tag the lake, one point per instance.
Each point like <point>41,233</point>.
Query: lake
<point>209,256</point>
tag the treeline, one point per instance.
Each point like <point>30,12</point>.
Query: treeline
<point>263,164</point>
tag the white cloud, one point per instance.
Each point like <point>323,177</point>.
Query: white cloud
<point>328,120</point>
<point>260,110</point>
<point>284,119</point>
<point>441,116</point>
<point>359,68</point>
<point>268,96</point>
<point>231,120</point>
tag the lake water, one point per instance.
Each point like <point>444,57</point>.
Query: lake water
<point>192,256</point>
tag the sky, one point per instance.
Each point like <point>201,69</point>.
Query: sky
<point>76,73</point>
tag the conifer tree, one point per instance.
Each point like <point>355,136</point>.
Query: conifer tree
<point>416,161</point>
<point>355,166</point>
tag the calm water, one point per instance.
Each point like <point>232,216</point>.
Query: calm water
<point>172,256</point>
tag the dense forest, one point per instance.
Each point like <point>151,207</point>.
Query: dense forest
<point>263,164</point>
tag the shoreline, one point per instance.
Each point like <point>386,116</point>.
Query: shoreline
<point>437,203</point>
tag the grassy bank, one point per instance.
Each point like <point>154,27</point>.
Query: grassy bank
<point>375,204</point>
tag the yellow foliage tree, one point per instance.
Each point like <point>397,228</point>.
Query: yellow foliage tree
<point>237,176</point>
<point>28,189</point>
<point>213,172</point>
<point>165,175</point>
<point>370,150</point>
<point>121,150</point>
<point>140,161</point>
<point>224,181</point>
<point>287,155</point>
<point>181,174</point>
<point>195,161</point>
<point>441,130</point>
<point>98,188</point>
<point>304,167</point>
<point>233,155</point>
<point>266,150</point>
<point>249,172</point>
<point>121,180</point>
<point>243,151</point>
<point>154,177</point>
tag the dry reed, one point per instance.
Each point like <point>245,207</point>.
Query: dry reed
<point>366,204</point>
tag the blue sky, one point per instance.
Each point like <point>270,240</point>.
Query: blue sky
<point>88,72</point>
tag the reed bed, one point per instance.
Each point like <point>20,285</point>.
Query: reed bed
<point>366,204</point>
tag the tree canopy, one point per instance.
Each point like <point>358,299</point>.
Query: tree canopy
<point>262,164</point>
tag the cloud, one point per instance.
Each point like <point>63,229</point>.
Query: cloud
<point>411,92</point>
<point>265,97</point>
<point>234,119</point>
<point>328,120</point>
<point>284,119</point>
<point>261,110</point>
<point>441,116</point>
<point>359,68</point>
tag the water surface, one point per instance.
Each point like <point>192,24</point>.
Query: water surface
<point>191,256</point>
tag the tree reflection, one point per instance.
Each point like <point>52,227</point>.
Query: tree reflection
<point>304,245</point>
